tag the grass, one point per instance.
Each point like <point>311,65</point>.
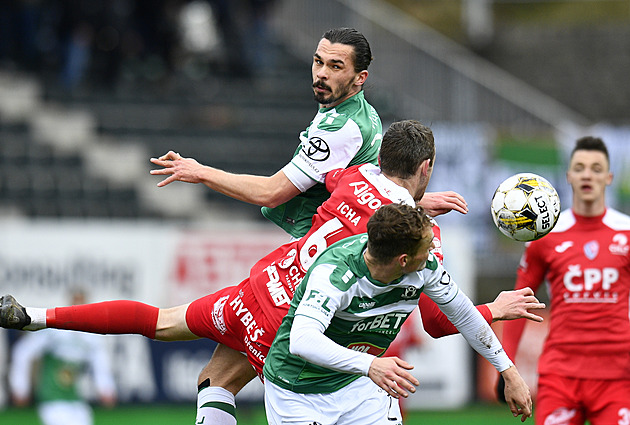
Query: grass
<point>476,414</point>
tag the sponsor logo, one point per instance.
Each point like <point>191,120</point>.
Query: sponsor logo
<point>218,319</point>
<point>388,323</point>
<point>563,246</point>
<point>365,347</point>
<point>247,319</point>
<point>364,195</point>
<point>561,416</point>
<point>446,278</point>
<point>366,305</point>
<point>591,285</point>
<point>316,149</point>
<point>316,298</point>
<point>276,290</point>
<point>288,259</point>
<point>619,245</point>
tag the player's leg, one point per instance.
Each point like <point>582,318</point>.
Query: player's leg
<point>109,317</point>
<point>556,401</point>
<point>171,324</point>
<point>227,372</point>
<point>283,406</point>
<point>368,404</point>
<point>65,412</point>
<point>607,401</point>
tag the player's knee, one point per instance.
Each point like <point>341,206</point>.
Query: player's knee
<point>171,325</point>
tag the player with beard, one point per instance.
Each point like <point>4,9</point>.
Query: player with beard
<point>346,131</point>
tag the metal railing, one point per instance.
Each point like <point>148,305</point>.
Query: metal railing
<point>424,74</point>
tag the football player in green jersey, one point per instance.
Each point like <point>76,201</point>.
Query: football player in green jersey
<point>325,364</point>
<point>345,131</point>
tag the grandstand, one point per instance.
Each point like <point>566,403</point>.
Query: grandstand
<point>82,153</point>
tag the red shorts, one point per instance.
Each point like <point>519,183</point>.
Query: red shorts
<point>571,401</point>
<point>233,317</point>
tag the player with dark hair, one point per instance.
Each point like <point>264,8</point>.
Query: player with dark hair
<point>243,318</point>
<point>584,369</point>
<point>326,357</point>
<point>346,131</point>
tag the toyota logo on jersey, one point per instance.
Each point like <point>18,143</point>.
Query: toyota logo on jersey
<point>316,149</point>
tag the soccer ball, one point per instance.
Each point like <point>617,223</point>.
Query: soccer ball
<point>525,207</point>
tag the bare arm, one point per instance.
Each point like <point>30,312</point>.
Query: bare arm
<point>437,203</point>
<point>258,190</point>
<point>508,305</point>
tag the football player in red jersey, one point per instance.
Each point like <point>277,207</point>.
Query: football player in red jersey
<point>584,369</point>
<point>244,318</point>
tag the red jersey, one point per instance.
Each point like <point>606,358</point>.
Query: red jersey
<point>586,263</point>
<point>356,193</point>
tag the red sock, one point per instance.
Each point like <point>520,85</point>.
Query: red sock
<point>109,317</point>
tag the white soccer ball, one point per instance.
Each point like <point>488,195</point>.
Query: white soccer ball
<point>525,207</point>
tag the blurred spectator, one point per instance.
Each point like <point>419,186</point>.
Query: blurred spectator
<point>62,358</point>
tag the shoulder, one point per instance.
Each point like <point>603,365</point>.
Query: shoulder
<point>616,220</point>
<point>565,221</point>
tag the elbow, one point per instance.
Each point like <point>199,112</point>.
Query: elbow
<point>293,346</point>
<point>270,203</point>
<point>273,199</point>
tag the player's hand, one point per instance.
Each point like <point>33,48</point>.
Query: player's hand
<point>177,168</point>
<point>510,305</point>
<point>437,203</point>
<point>390,373</point>
<point>517,394</point>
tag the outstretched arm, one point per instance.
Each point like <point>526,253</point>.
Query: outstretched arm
<point>508,305</point>
<point>259,190</point>
<point>438,203</point>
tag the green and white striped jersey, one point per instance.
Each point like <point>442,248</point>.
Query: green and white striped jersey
<point>338,137</point>
<point>358,312</point>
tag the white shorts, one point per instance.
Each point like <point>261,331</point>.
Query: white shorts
<point>361,402</point>
<point>65,413</point>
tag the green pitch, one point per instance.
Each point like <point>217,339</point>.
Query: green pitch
<point>477,414</point>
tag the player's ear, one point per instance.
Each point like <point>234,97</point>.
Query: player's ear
<point>360,78</point>
<point>609,178</point>
<point>426,165</point>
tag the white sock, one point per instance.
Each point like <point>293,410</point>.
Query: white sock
<point>215,406</point>
<point>38,318</point>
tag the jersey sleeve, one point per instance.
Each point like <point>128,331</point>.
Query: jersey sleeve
<point>321,298</point>
<point>307,340</point>
<point>313,316</point>
<point>436,324</point>
<point>331,145</point>
<point>530,273</point>
<point>460,311</point>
